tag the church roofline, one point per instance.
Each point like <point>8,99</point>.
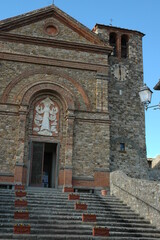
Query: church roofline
<point>50,11</point>
<point>109,27</point>
<point>8,21</point>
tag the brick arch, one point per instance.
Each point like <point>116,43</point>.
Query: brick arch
<point>24,89</point>
<point>34,89</point>
<point>43,70</point>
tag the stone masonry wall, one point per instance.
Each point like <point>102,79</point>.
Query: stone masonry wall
<point>91,146</point>
<point>8,141</point>
<point>141,195</point>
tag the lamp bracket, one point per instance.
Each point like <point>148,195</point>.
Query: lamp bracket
<point>155,107</point>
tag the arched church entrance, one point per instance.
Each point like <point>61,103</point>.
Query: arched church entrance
<point>45,138</point>
<point>44,131</point>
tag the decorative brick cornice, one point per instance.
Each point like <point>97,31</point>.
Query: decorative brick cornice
<point>52,62</point>
<point>98,121</point>
<point>46,42</point>
<point>68,167</point>
<point>92,116</point>
<point>20,164</point>
<point>9,109</point>
<point>7,174</point>
<point>102,76</point>
<point>101,170</point>
<point>84,178</point>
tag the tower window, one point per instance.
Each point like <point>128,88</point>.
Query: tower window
<point>122,147</point>
<point>113,42</point>
<point>124,46</point>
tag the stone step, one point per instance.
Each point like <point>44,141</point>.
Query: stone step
<point>70,237</point>
<point>45,191</point>
<point>64,202</point>
<point>67,205</point>
<point>75,218</point>
<point>82,197</point>
<point>35,226</point>
<point>138,235</point>
<point>65,212</point>
<point>33,222</point>
<point>65,208</point>
<point>84,231</point>
<point>59,201</point>
<point>50,208</point>
<point>70,219</point>
<point>61,195</point>
<point>55,194</point>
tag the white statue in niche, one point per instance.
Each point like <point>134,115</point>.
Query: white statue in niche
<point>45,121</point>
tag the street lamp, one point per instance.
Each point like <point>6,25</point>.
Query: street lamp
<point>145,94</point>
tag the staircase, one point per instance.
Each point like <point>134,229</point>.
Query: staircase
<point>52,216</point>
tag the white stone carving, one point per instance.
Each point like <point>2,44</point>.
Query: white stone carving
<point>45,120</point>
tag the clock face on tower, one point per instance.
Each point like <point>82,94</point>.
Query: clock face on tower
<point>119,71</point>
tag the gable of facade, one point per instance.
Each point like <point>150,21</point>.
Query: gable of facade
<point>51,23</point>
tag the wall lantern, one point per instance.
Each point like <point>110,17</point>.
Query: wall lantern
<point>145,94</point>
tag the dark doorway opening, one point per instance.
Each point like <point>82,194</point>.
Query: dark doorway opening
<point>46,180</point>
<point>43,165</point>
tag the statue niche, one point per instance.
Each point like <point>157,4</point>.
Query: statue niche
<point>46,118</point>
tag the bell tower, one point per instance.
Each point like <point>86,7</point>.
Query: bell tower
<point>127,136</point>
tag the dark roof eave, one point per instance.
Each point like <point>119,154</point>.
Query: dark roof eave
<point>157,86</point>
<point>118,28</point>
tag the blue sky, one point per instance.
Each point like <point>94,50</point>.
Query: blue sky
<point>141,15</point>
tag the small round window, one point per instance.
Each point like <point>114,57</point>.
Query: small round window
<point>51,30</point>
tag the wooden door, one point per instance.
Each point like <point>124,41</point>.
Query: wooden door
<point>37,164</point>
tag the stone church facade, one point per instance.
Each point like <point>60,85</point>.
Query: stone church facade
<point>69,107</point>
